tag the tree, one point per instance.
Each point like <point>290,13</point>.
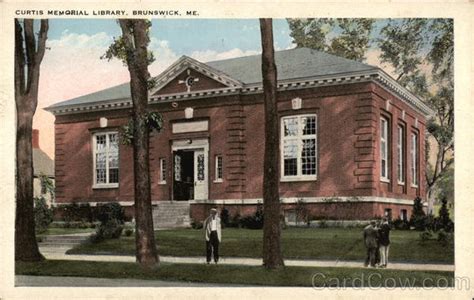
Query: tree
<point>272,257</point>
<point>352,40</point>
<point>131,48</point>
<point>28,56</point>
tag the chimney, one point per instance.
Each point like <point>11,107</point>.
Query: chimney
<point>35,140</point>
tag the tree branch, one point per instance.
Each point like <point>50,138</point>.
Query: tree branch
<point>30,46</point>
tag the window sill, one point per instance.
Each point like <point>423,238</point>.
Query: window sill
<point>218,181</point>
<point>293,179</point>
<point>105,186</point>
<point>415,186</point>
<point>401,183</point>
<point>162,182</point>
<point>385,180</point>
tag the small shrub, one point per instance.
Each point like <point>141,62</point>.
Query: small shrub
<point>426,235</point>
<point>235,221</point>
<point>323,224</point>
<point>254,221</point>
<point>111,217</point>
<point>400,224</point>
<point>196,225</point>
<point>225,218</point>
<point>43,214</point>
<point>128,232</point>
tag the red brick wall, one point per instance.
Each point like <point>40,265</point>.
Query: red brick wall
<point>348,146</point>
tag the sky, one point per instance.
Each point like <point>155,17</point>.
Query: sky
<point>72,66</point>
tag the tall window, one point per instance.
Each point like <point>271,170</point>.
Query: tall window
<point>400,153</point>
<point>106,159</point>
<point>414,159</point>
<point>384,146</point>
<point>218,170</point>
<point>298,149</point>
<point>162,171</point>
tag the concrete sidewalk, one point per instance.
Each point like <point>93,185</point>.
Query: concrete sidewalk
<point>62,281</point>
<point>59,253</point>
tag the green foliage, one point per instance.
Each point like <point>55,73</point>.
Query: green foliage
<point>196,225</point>
<point>47,185</point>
<point>426,235</point>
<point>78,212</point>
<point>445,238</point>
<point>153,120</point>
<point>43,214</point>
<point>111,217</point>
<point>401,224</point>
<point>352,41</point>
<point>225,217</point>
<point>444,221</point>
<point>254,221</point>
<point>118,48</point>
<point>401,42</point>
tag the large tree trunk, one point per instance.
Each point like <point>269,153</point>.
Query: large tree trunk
<point>28,57</point>
<point>134,31</point>
<point>271,199</point>
<point>26,247</point>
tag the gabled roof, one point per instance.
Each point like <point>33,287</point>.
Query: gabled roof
<point>185,62</point>
<point>244,73</point>
<point>42,163</point>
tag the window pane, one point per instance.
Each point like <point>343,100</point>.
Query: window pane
<point>308,157</point>
<point>100,143</point>
<point>200,167</point>
<point>113,175</point>
<point>100,176</point>
<point>163,169</point>
<point>290,126</point>
<point>309,124</point>
<point>290,167</point>
<point>290,149</point>
<point>219,167</point>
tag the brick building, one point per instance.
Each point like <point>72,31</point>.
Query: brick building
<point>351,139</point>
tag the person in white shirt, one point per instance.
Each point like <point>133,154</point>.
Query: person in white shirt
<point>212,228</point>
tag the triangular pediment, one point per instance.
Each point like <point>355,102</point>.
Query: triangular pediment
<point>190,75</point>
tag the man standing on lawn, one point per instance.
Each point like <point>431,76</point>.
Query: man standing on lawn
<point>212,228</point>
<point>370,240</point>
<point>384,242</point>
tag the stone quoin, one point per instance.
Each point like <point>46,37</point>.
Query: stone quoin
<point>351,139</point>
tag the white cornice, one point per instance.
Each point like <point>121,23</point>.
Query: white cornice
<point>377,76</point>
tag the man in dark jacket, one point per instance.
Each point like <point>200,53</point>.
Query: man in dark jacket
<point>370,240</point>
<point>384,242</point>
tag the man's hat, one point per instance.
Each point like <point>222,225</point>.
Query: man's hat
<point>213,209</point>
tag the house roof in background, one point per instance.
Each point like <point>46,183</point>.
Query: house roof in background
<point>42,163</point>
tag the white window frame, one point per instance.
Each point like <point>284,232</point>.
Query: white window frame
<point>384,139</point>
<point>96,185</point>
<point>299,137</point>
<point>218,166</point>
<point>400,154</point>
<point>414,159</point>
<point>162,171</point>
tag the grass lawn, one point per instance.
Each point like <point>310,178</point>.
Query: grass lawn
<point>60,231</point>
<point>287,276</point>
<point>297,243</point>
